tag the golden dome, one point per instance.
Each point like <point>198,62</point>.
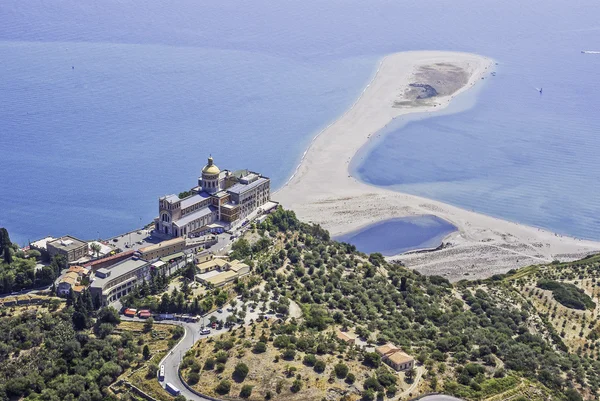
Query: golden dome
<point>210,168</point>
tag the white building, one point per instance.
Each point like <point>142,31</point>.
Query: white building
<point>220,197</point>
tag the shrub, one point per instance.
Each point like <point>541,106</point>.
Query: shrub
<point>341,370</point>
<point>246,391</point>
<point>319,366</point>
<point>350,378</point>
<point>296,386</point>
<point>209,364</point>
<point>223,387</point>
<point>240,372</point>
<point>259,347</point>
<point>193,378</point>
<point>309,359</point>
<point>289,354</point>
<point>222,356</point>
<point>220,367</point>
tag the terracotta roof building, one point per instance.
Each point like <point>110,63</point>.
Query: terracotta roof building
<point>395,357</point>
<point>345,337</point>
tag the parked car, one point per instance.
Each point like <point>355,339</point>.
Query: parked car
<point>205,331</point>
<point>220,310</point>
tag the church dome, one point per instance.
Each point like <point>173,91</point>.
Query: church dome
<point>210,168</point>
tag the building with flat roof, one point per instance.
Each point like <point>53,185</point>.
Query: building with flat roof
<point>114,282</point>
<point>218,272</point>
<point>221,197</point>
<point>162,249</point>
<point>71,247</point>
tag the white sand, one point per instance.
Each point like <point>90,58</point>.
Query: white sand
<point>322,190</point>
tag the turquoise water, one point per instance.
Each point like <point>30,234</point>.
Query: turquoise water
<point>104,106</point>
<point>395,236</point>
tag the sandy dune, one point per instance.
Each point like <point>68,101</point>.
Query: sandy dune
<point>322,190</point>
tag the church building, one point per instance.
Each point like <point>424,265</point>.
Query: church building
<point>221,197</point>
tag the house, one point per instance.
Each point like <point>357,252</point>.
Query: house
<point>395,357</point>
<point>218,272</point>
<point>66,283</point>
<point>345,337</point>
<point>80,271</point>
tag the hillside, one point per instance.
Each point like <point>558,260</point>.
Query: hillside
<point>475,340</point>
<point>530,334</point>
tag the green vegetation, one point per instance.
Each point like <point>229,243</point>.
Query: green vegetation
<point>185,194</point>
<point>44,357</point>
<point>17,268</point>
<point>567,294</point>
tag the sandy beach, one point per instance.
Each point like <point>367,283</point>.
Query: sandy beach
<point>323,191</point>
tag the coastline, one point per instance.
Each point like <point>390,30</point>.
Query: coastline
<point>322,189</point>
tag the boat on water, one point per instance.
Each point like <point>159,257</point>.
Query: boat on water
<point>590,52</point>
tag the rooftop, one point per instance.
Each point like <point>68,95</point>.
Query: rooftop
<point>192,200</point>
<point>108,259</point>
<point>162,244</point>
<point>345,336</point>
<point>221,278</point>
<point>172,256</point>
<point>67,243</point>
<point>117,270</point>
<point>241,188</point>
<point>195,215</point>
<point>387,349</point>
<point>400,357</point>
<point>236,266</point>
<point>170,198</point>
<point>70,278</point>
<point>41,243</point>
<point>212,263</point>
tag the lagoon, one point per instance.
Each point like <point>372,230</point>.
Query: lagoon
<point>399,235</point>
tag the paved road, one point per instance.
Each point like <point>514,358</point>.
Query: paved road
<point>192,334</point>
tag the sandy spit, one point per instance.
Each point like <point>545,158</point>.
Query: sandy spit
<point>321,190</point>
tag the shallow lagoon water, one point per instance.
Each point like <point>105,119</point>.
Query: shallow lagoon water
<point>105,106</point>
<point>399,235</point>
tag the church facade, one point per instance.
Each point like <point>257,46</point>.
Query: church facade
<point>221,197</point>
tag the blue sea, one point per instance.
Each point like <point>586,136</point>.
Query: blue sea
<point>105,106</point>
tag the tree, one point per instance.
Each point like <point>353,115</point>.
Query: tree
<point>240,372</point>
<point>148,324</point>
<point>96,248</point>
<point>372,359</point>
<point>410,373</point>
<point>5,246</point>
<point>146,352</point>
<point>109,315</point>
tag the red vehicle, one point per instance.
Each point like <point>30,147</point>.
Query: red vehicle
<point>130,312</point>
